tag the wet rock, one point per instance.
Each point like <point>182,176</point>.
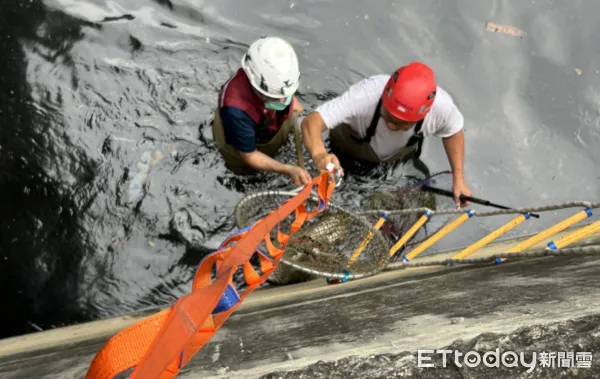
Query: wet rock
<point>223,370</point>
<point>189,227</point>
<point>560,350</point>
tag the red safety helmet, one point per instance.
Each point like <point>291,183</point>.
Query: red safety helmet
<point>410,92</point>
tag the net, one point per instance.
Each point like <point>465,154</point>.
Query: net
<point>335,244</point>
<point>326,245</point>
<point>410,196</point>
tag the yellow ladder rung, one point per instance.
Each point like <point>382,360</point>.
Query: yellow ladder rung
<point>575,236</point>
<point>410,233</point>
<point>557,228</point>
<point>490,237</point>
<point>436,237</point>
<point>366,241</point>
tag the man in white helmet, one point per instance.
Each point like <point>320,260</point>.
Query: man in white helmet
<point>257,110</point>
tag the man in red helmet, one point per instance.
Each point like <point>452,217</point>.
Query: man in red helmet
<point>385,118</point>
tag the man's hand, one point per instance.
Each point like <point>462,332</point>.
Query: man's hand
<point>459,187</point>
<point>322,160</point>
<point>298,175</point>
<point>262,162</point>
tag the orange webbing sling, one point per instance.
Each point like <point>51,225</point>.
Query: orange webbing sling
<point>162,344</point>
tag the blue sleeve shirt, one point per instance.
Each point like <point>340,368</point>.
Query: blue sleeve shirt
<point>239,129</point>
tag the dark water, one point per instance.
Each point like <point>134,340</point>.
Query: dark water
<point>113,189</point>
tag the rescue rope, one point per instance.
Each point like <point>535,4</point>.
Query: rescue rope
<point>159,346</point>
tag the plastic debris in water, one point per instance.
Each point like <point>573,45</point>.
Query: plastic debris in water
<point>506,29</point>
<point>137,185</point>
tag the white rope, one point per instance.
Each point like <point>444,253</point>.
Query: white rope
<point>575,204</point>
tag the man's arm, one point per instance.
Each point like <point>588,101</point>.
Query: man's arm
<point>263,162</point>
<point>342,109</point>
<point>455,150</point>
<point>260,161</point>
<point>240,132</point>
<point>313,126</point>
<point>451,131</point>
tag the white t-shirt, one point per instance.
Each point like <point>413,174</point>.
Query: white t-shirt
<point>357,105</point>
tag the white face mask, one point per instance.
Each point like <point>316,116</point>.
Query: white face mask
<point>278,105</point>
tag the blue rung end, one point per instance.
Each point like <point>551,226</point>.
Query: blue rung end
<point>451,263</point>
<point>498,261</point>
<point>470,213</point>
<point>228,300</point>
<point>336,280</point>
<point>346,277</point>
<point>404,259</point>
<point>552,245</point>
<point>588,211</point>
<point>527,216</point>
<point>385,216</point>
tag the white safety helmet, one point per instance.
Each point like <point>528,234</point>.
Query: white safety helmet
<point>272,67</point>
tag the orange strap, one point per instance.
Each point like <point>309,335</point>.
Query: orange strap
<point>162,344</point>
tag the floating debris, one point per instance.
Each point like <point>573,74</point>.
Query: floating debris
<point>578,71</point>
<point>137,188</point>
<point>506,29</point>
